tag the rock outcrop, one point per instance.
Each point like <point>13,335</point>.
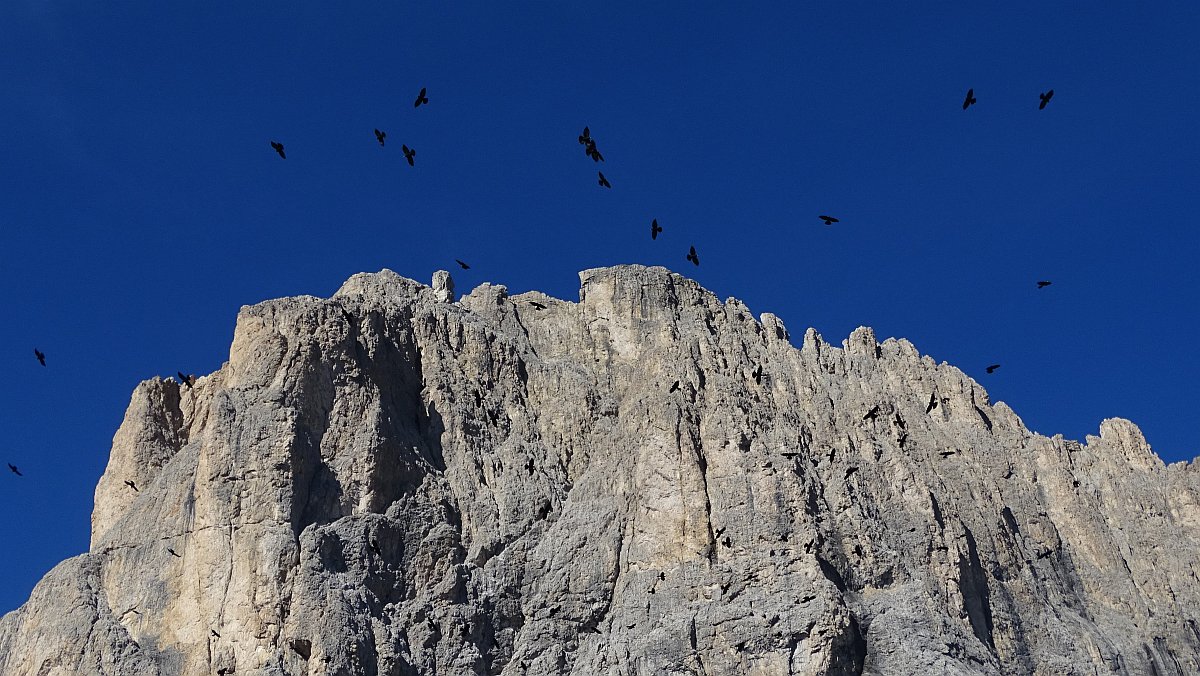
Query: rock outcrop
<point>648,481</point>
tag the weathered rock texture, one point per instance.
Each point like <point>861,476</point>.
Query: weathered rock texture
<point>385,482</point>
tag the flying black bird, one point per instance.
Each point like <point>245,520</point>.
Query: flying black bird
<point>172,553</point>
<point>41,357</point>
<point>970,99</point>
<point>586,137</point>
<point>214,633</point>
<point>758,375</point>
<point>1042,285</point>
<point>380,135</point>
<point>421,98</point>
<point>186,380</point>
<point>872,414</point>
<point>278,148</point>
<point>462,265</point>
<point>692,255</point>
<point>1045,99</point>
<point>14,470</point>
<point>829,220</point>
<point>674,387</point>
<point>603,181</point>
<point>655,228</point>
<point>933,402</point>
<point>593,153</point>
<point>131,485</point>
<point>409,154</point>
<point>537,305</point>
<point>992,368</point>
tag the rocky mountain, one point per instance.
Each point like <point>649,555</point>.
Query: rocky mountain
<point>647,481</point>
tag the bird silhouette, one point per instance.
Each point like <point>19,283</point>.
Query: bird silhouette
<point>537,305</point>
<point>592,152</point>
<point>1045,97</point>
<point>380,135</point>
<point>14,470</point>
<point>933,402</point>
<point>585,137</point>
<point>462,265</point>
<point>829,220</point>
<point>692,255</point>
<point>758,375</point>
<point>655,228</point>
<point>278,148</point>
<point>131,485</point>
<point>409,154</point>
<point>172,553</point>
<point>992,368</point>
<point>1043,284</point>
<point>40,356</point>
<point>603,181</point>
<point>214,633</point>
<point>186,379</point>
<point>872,414</point>
<point>421,98</point>
<point>970,99</point>
<point>674,387</point>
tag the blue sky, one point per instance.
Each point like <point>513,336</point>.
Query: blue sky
<point>141,205</point>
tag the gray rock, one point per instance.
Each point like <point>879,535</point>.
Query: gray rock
<point>384,482</point>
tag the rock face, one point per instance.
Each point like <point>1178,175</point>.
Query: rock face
<point>648,481</point>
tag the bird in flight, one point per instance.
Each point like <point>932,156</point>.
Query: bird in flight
<point>409,154</point>
<point>380,135</point>
<point>131,485</point>
<point>970,99</point>
<point>655,228</point>
<point>14,470</point>
<point>186,380</point>
<point>214,633</point>
<point>585,137</point>
<point>674,387</point>
<point>172,553</point>
<point>278,148</point>
<point>603,181</point>
<point>933,402</point>
<point>1045,99</point>
<point>462,265</point>
<point>872,414</point>
<point>757,375</point>
<point>421,98</point>
<point>829,220</point>
<point>992,368</point>
<point>41,357</point>
<point>692,255</point>
<point>1043,284</point>
<point>537,305</point>
<point>592,152</point>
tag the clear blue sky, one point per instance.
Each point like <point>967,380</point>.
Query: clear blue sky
<point>141,205</point>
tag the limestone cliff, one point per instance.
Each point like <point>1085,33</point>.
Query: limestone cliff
<point>648,481</point>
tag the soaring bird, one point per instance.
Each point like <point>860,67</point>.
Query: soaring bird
<point>872,414</point>
<point>992,368</point>
<point>655,228</point>
<point>757,375</point>
<point>409,154</point>
<point>186,379</point>
<point>933,402</point>
<point>278,148</point>
<point>1043,284</point>
<point>692,255</point>
<point>172,553</point>
<point>421,98</point>
<point>14,470</point>
<point>593,152</point>
<point>380,135</point>
<point>214,633</point>
<point>537,305</point>
<point>970,99</point>
<point>462,265</point>
<point>585,137</point>
<point>41,357</point>
<point>829,220</point>
<point>674,387</point>
<point>603,181</point>
<point>1045,99</point>
<point>131,485</point>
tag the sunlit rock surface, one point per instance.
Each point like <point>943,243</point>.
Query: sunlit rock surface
<point>387,482</point>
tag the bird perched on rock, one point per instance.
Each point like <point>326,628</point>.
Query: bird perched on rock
<point>421,98</point>
<point>1045,98</point>
<point>603,181</point>
<point>380,135</point>
<point>131,485</point>
<point>13,468</point>
<point>992,368</point>
<point>1043,284</point>
<point>829,220</point>
<point>655,228</point>
<point>970,99</point>
<point>692,256</point>
<point>278,148</point>
<point>462,265</point>
<point>40,356</point>
<point>409,154</point>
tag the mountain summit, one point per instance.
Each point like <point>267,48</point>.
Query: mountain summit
<point>647,481</point>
